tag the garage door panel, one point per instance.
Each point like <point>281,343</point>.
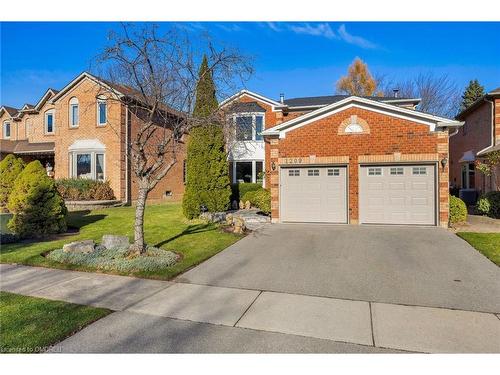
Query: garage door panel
<point>313,194</point>
<point>399,195</point>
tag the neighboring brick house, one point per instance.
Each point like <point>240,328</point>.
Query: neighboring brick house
<point>479,136</point>
<point>82,132</point>
<point>347,159</point>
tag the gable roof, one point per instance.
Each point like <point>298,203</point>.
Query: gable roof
<point>48,94</point>
<point>319,101</point>
<point>273,103</point>
<point>10,110</point>
<point>372,105</point>
<point>492,94</point>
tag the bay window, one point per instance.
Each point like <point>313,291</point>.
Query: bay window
<point>88,165</point>
<point>247,171</point>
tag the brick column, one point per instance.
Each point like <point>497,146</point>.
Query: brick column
<point>442,149</point>
<point>274,178</point>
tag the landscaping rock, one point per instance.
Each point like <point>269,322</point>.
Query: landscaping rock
<point>248,205</point>
<point>214,217</point>
<point>239,225</point>
<point>110,241</point>
<point>242,205</point>
<point>82,247</point>
<point>229,219</point>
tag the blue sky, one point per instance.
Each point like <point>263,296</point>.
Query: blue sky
<point>298,59</point>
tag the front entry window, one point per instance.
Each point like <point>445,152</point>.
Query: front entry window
<point>468,176</point>
<point>247,171</point>
<point>88,165</point>
<point>83,164</point>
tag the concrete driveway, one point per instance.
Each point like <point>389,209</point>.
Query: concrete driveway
<point>418,266</point>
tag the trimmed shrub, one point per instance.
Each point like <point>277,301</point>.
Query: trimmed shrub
<point>489,204</point>
<point>260,199</point>
<point>458,210</point>
<point>239,190</point>
<point>81,189</point>
<point>38,208</point>
<point>10,167</point>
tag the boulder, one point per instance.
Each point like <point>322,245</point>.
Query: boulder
<point>239,225</point>
<point>242,205</point>
<point>229,219</point>
<point>110,241</point>
<point>83,247</point>
<point>248,205</point>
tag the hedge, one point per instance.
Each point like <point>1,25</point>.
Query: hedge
<point>80,189</point>
<point>260,198</point>
<point>489,204</point>
<point>458,210</point>
<point>38,209</point>
<point>10,168</point>
<point>239,190</point>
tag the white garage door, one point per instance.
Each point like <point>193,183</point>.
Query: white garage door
<point>397,194</point>
<point>313,194</point>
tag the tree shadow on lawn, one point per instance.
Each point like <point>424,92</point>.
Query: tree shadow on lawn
<point>79,219</point>
<point>191,229</point>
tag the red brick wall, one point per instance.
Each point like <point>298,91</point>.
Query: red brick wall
<point>475,135</point>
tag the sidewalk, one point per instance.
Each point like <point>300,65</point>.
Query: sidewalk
<point>180,317</point>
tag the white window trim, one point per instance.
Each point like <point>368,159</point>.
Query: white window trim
<point>467,175</point>
<point>93,159</point>
<point>73,102</point>
<point>4,128</point>
<point>254,125</point>
<point>99,123</point>
<point>46,123</point>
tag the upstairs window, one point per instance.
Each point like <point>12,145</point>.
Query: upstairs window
<point>102,112</point>
<point>249,127</point>
<point>6,130</point>
<point>49,122</point>
<point>73,112</point>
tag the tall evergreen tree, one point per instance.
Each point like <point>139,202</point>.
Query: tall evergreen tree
<point>472,92</point>
<point>207,180</point>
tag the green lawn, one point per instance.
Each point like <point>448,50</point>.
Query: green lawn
<point>487,244</point>
<point>165,227</point>
<point>30,325</point>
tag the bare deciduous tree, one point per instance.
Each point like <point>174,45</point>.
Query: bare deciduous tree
<point>440,95</point>
<point>154,76</point>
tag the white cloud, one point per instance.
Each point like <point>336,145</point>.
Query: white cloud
<point>320,29</point>
<point>356,40</point>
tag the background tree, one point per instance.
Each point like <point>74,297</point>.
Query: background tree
<point>358,80</point>
<point>159,75</point>
<point>472,92</point>
<point>10,167</point>
<point>207,179</point>
<point>38,208</point>
<point>438,93</point>
<point>490,166</point>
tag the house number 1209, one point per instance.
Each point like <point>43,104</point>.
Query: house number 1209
<point>294,161</point>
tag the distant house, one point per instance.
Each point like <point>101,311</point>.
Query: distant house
<point>80,131</point>
<point>479,136</point>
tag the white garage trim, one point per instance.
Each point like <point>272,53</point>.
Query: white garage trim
<point>409,219</point>
<point>324,173</point>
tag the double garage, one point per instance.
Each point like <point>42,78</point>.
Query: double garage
<point>387,194</point>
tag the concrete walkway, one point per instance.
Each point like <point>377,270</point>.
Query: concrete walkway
<point>159,316</point>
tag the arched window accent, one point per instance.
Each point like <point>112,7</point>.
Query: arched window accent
<point>50,122</point>
<point>354,125</point>
<point>87,159</point>
<point>102,111</point>
<point>74,115</point>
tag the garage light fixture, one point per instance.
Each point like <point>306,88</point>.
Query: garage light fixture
<point>444,161</point>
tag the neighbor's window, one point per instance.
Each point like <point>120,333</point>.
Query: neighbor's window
<point>397,171</point>
<point>88,165</point>
<point>73,112</point>
<point>313,172</point>
<point>102,112</point>
<point>49,122</point>
<point>6,129</point>
<point>249,127</point>
<point>374,171</point>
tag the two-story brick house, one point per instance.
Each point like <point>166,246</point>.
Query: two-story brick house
<point>479,136</point>
<point>81,131</point>
<point>346,159</point>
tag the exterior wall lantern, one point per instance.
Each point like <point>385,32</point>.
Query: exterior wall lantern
<point>444,161</point>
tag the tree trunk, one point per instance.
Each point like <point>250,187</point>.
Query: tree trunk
<point>139,245</point>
